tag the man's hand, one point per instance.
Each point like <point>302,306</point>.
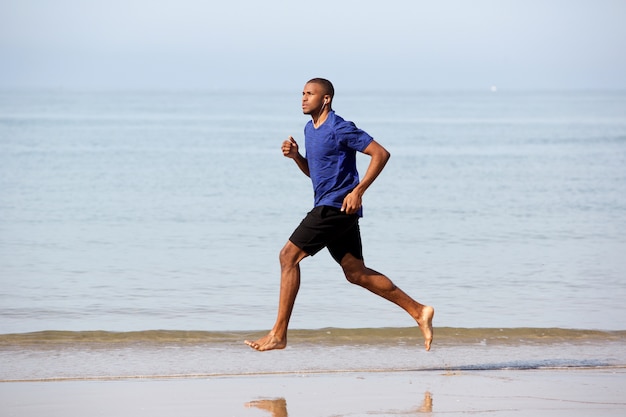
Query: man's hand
<point>380,156</point>
<point>352,202</point>
<point>290,148</point>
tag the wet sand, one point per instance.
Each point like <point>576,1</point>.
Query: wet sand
<point>499,393</point>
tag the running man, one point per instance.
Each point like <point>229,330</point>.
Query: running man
<point>331,144</point>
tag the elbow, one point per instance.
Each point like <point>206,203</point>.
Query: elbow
<point>382,156</point>
<point>385,155</point>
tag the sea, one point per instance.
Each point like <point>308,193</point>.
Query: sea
<point>140,232</point>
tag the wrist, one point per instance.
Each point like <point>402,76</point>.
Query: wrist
<point>359,190</point>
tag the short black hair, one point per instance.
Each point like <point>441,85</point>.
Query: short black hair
<point>326,85</point>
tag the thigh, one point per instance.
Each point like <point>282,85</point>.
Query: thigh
<point>321,227</point>
<point>347,243</point>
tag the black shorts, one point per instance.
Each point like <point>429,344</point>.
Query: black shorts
<point>329,227</point>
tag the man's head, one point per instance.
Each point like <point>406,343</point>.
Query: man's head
<point>317,94</point>
<point>326,85</point>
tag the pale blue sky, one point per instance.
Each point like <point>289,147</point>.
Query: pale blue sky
<point>252,44</point>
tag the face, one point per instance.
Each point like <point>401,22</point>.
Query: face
<point>312,98</point>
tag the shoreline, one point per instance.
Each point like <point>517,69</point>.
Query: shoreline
<point>546,392</point>
<point>103,359</point>
<point>305,373</point>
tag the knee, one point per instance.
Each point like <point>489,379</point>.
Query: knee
<point>289,256</point>
<point>284,257</point>
<point>353,269</point>
<point>353,277</point>
<point>354,272</point>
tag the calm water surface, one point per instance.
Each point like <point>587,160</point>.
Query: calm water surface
<point>139,211</point>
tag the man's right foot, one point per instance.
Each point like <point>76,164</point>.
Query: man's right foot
<point>425,323</point>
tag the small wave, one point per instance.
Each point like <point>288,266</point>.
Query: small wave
<point>326,336</point>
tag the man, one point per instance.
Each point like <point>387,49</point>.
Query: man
<point>330,162</point>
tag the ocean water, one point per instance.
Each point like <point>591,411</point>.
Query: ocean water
<point>129,211</point>
<point>134,212</point>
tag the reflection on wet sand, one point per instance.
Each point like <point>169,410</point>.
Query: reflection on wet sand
<point>427,404</point>
<point>278,406</point>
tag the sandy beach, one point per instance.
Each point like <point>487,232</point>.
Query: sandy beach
<point>499,393</point>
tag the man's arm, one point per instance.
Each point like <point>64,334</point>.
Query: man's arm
<point>290,150</point>
<point>352,202</point>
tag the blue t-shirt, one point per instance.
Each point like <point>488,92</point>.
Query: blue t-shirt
<point>331,155</point>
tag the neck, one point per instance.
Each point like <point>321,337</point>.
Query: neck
<point>321,117</point>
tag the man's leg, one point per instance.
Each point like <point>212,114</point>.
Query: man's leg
<point>290,257</point>
<point>357,273</point>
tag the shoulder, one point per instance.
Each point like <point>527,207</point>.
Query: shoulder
<point>342,125</point>
<point>349,135</point>
<point>337,120</point>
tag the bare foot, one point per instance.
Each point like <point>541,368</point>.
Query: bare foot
<point>425,322</point>
<point>268,342</point>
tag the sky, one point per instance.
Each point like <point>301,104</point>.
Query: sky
<point>271,44</point>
